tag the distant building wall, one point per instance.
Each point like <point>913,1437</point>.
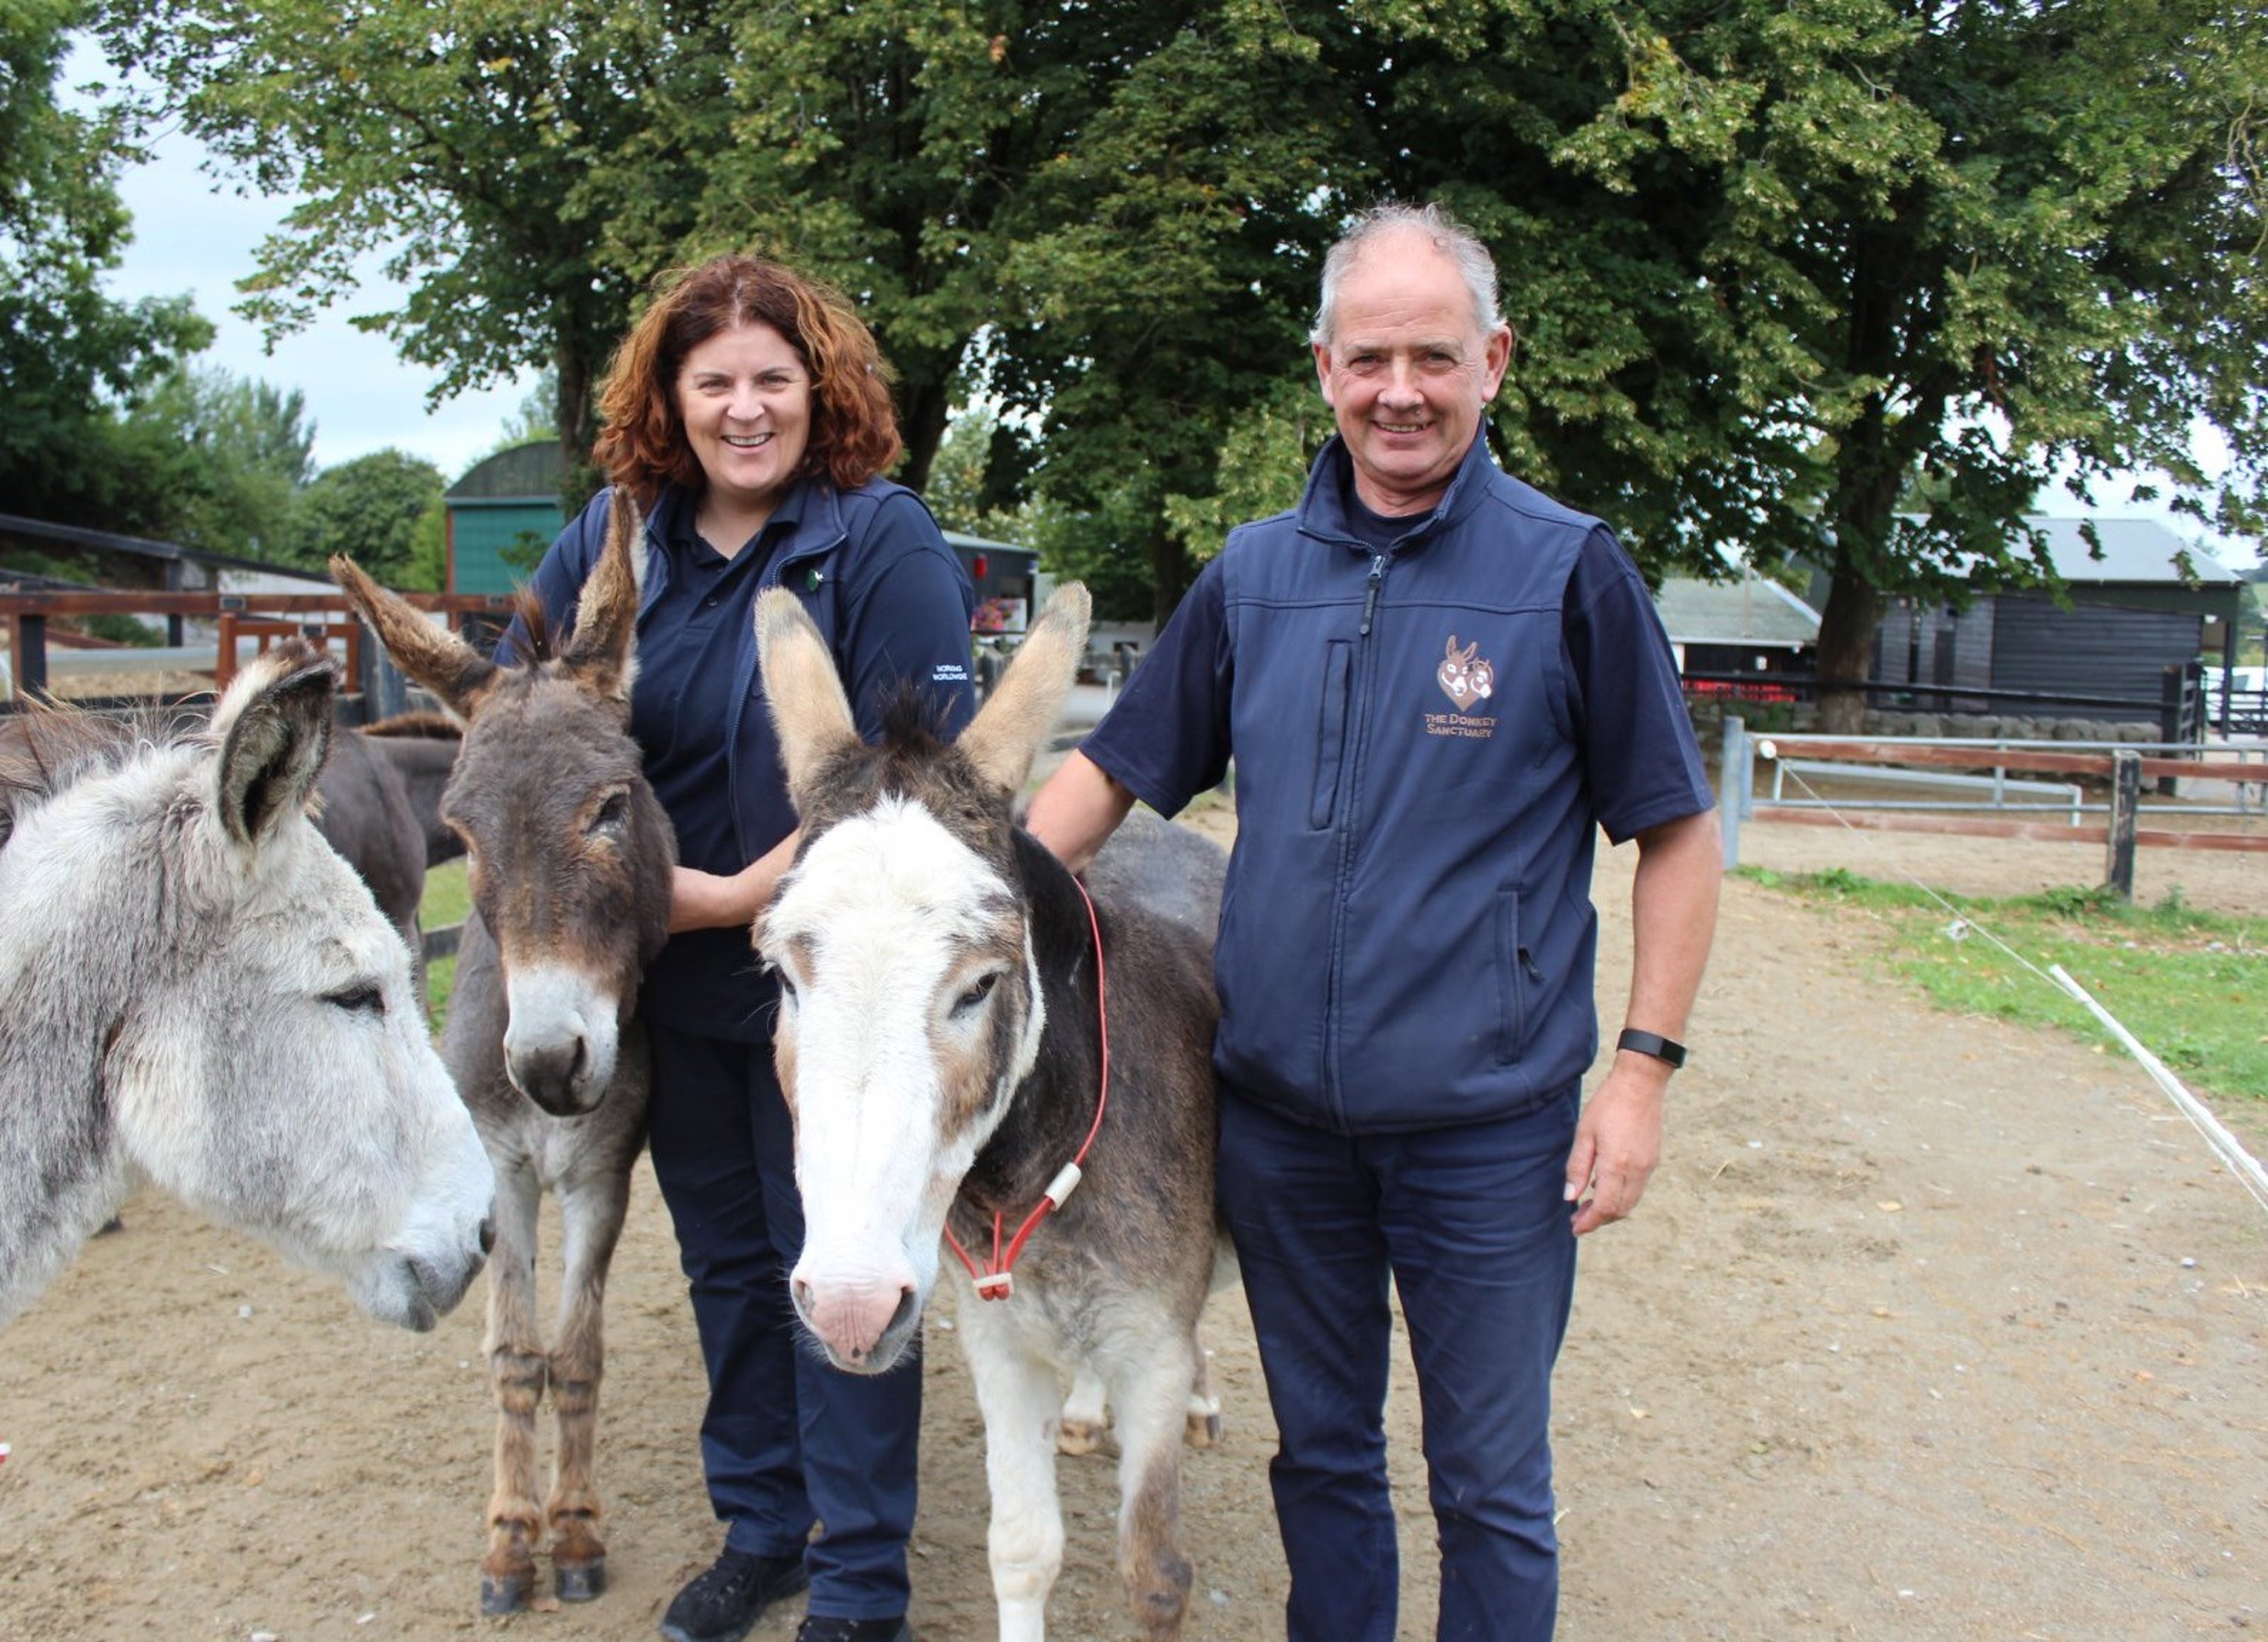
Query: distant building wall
<point>480,533</point>
<point>507,502</point>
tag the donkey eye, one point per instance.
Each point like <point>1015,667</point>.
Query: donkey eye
<point>612,814</point>
<point>361,1000</point>
<point>973,999</point>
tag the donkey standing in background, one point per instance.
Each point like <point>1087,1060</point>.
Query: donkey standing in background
<point>570,862</point>
<point>364,813</point>
<point>421,748</point>
<point>941,1042</point>
<point>196,987</point>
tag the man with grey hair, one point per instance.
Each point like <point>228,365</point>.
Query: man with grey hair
<point>1438,685</point>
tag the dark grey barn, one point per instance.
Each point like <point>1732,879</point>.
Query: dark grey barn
<point>2132,615</point>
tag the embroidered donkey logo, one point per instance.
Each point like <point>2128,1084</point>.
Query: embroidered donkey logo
<point>1463,676</point>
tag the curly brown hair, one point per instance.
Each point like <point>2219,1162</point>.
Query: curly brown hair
<point>854,427</point>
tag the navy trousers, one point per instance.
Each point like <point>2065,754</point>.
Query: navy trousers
<point>1472,1227</point>
<point>787,1441</point>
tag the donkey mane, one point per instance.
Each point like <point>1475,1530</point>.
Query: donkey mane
<point>538,642</point>
<point>55,746</point>
<point>911,761</point>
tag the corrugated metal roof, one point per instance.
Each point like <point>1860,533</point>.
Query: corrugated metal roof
<point>529,472</point>
<point>2133,551</point>
<point>1753,610</point>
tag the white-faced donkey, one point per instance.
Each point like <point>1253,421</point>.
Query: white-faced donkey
<point>942,1042</point>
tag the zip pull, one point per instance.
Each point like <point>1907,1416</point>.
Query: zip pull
<point>1370,599</point>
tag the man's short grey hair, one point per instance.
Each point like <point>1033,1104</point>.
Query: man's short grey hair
<point>1449,236</point>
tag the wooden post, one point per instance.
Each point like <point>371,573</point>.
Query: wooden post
<point>2126,805</point>
<point>29,643</point>
<point>1733,787</point>
<point>385,692</point>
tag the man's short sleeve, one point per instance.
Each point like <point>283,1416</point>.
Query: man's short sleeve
<point>1643,761</point>
<point>1166,738</point>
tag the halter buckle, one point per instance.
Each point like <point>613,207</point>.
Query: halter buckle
<point>996,1286</point>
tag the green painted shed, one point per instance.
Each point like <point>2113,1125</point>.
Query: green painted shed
<point>506,507</point>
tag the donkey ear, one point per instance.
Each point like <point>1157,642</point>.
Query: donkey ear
<point>603,647</point>
<point>275,730</point>
<point>1023,707</point>
<point>433,656</point>
<point>810,712</point>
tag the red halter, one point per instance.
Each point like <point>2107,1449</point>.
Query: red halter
<point>995,1280</point>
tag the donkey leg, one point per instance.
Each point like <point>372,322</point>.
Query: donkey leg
<point>1152,1392</point>
<point>516,1378</point>
<point>1019,1395</point>
<point>591,1207</point>
<point>1084,1412</point>
<point>1202,1428</point>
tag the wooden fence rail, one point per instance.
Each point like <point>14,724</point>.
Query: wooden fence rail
<point>260,616</point>
<point>2122,768</point>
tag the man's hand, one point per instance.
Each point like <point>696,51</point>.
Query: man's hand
<point>1618,1142</point>
<point>1673,913</point>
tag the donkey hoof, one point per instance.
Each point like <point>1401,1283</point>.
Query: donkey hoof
<point>506,1594</point>
<point>579,1581</point>
<point>1078,1436</point>
<point>1202,1431</point>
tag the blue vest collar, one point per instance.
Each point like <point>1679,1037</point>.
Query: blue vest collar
<point>1322,509</point>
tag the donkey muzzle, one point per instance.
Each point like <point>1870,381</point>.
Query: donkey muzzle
<point>864,1323</point>
<point>560,1040</point>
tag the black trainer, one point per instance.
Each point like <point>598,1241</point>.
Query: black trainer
<point>818,1627</point>
<point>723,1603</point>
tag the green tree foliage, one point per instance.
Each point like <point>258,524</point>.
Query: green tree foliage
<point>427,568</point>
<point>1813,251</point>
<point>966,489</point>
<point>1161,271</point>
<point>371,508</point>
<point>537,417</point>
<point>224,459</point>
<point>1767,262</point>
<point>530,164</point>
<point>68,354</point>
<point>503,155</point>
<point>1264,460</point>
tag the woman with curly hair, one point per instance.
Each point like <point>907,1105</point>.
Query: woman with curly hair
<point>747,416</point>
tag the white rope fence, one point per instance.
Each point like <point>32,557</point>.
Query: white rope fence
<point>2224,1145</point>
<point>2231,1151</point>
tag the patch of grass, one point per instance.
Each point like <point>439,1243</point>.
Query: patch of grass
<point>447,902</point>
<point>2192,985</point>
<point>446,899</point>
<point>440,976</point>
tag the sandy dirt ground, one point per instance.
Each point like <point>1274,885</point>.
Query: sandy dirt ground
<point>1930,1328</point>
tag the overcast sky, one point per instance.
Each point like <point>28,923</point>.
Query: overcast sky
<point>195,235</point>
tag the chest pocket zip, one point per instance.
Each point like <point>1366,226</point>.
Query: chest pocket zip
<point>1331,733</point>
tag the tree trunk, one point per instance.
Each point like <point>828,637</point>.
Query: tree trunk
<point>924,410</point>
<point>1169,573</point>
<point>1846,646</point>
<point>577,419</point>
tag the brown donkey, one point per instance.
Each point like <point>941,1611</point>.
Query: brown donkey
<point>569,868</point>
